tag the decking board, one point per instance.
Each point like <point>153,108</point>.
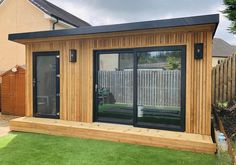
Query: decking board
<point>117,133</point>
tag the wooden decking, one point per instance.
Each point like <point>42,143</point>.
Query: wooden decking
<point>117,133</point>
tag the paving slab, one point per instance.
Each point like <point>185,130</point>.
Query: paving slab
<point>4,124</point>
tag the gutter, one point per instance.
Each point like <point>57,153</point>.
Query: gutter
<point>54,24</point>
<point>57,20</point>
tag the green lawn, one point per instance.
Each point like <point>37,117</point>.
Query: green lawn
<point>37,149</point>
<point>105,107</point>
<point>105,111</point>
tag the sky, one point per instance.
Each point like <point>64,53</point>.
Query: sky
<point>104,12</point>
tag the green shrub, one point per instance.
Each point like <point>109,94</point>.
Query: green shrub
<point>222,105</point>
<point>224,158</point>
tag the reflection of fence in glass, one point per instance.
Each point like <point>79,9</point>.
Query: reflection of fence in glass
<point>155,87</point>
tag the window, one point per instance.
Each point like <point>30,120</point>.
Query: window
<point>115,87</point>
<point>143,87</point>
<point>159,88</point>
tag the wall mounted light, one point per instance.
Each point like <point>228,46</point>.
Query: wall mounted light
<point>73,55</point>
<point>198,51</point>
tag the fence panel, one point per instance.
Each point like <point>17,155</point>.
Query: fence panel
<point>224,80</point>
<point>155,87</point>
<point>0,97</point>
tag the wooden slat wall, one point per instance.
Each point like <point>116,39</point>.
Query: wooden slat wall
<point>20,93</point>
<point>13,93</point>
<point>224,80</point>
<point>77,78</point>
<point>0,96</point>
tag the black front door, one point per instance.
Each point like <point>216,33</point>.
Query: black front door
<point>46,84</point>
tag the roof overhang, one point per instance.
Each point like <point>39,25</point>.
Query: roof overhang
<point>157,24</point>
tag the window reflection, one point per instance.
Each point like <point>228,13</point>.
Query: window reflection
<point>159,88</point>
<point>115,88</point>
<point>157,83</point>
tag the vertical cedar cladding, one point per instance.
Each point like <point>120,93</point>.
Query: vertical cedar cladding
<point>77,78</point>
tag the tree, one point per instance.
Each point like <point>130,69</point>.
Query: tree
<point>173,63</point>
<point>230,12</point>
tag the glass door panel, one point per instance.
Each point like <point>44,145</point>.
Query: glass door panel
<point>46,84</point>
<point>159,89</point>
<point>145,87</point>
<point>115,88</point>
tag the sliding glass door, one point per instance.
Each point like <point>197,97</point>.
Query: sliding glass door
<point>142,87</point>
<point>159,88</point>
<point>114,87</point>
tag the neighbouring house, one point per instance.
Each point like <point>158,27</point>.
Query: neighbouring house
<point>221,51</point>
<point>146,83</point>
<point>29,15</point>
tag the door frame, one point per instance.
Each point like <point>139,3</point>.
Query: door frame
<point>95,80</point>
<point>135,51</point>
<point>34,83</point>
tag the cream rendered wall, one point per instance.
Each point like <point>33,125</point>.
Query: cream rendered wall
<point>215,60</point>
<point>109,62</point>
<point>19,16</point>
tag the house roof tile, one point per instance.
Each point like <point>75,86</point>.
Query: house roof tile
<point>58,13</point>
<point>222,49</point>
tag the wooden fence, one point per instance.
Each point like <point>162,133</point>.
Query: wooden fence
<point>0,97</point>
<point>155,88</point>
<point>224,80</point>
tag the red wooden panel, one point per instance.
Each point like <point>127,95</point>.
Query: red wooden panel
<point>13,93</point>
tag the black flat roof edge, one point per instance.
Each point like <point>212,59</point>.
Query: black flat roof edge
<point>167,23</point>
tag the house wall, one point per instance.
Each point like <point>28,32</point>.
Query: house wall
<point>19,16</point>
<point>76,88</point>
<point>109,62</point>
<point>216,59</point>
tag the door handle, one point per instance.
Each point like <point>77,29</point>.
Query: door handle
<point>34,82</point>
<point>96,88</point>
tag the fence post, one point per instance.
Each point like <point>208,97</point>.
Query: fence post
<point>224,80</point>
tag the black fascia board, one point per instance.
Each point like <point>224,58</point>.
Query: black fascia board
<point>157,24</point>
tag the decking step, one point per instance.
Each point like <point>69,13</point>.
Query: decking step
<point>115,132</point>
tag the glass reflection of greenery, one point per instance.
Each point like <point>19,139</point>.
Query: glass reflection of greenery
<point>159,57</point>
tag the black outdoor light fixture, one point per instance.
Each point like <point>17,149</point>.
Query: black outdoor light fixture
<point>73,55</point>
<point>198,51</point>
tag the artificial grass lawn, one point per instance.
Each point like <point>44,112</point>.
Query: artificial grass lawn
<point>104,112</point>
<point>38,149</point>
<point>105,107</point>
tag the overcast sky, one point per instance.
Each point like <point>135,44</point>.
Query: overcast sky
<point>102,12</point>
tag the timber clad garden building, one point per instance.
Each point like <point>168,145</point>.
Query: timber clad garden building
<point>146,83</point>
